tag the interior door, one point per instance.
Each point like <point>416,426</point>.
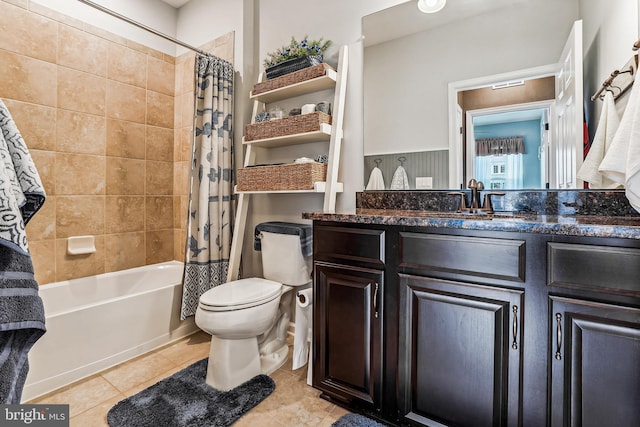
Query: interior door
<point>542,150</point>
<point>567,151</point>
<point>460,145</point>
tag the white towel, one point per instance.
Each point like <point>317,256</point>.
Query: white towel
<point>400,180</point>
<point>622,162</point>
<point>376,180</point>
<point>607,127</point>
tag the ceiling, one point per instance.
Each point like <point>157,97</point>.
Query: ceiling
<point>175,3</point>
<point>378,26</point>
<point>509,117</point>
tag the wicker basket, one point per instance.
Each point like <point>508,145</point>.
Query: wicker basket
<point>286,126</point>
<point>291,78</point>
<point>291,176</point>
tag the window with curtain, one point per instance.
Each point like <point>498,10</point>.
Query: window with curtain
<point>500,162</point>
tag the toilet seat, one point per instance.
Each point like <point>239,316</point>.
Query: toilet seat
<point>240,294</point>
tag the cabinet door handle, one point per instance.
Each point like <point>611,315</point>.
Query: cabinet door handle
<point>514,345</point>
<point>559,336</point>
<point>375,300</point>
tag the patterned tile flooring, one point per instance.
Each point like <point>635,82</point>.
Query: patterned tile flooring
<point>293,403</point>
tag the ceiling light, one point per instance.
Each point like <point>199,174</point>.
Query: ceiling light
<point>431,6</point>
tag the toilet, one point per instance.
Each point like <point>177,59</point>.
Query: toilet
<point>248,318</point>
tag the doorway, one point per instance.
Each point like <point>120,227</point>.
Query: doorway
<point>502,93</point>
<point>527,128</point>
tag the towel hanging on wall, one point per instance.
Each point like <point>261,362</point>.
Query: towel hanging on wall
<point>602,140</point>
<point>400,180</point>
<point>376,180</point>
<point>622,162</point>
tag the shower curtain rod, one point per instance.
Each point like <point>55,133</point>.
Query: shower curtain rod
<point>144,27</point>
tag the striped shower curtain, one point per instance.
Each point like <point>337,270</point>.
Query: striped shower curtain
<point>211,211</point>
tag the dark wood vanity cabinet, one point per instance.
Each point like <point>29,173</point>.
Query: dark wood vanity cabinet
<point>595,363</point>
<point>461,360</point>
<point>349,330</point>
<point>594,332</point>
<point>460,353</point>
<point>348,315</point>
<point>477,328</point>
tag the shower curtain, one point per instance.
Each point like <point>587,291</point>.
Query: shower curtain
<point>211,210</point>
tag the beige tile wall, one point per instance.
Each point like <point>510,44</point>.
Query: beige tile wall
<point>97,113</point>
<point>108,122</point>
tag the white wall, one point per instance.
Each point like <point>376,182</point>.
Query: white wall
<point>200,21</point>
<point>276,22</point>
<point>407,79</point>
<point>152,13</point>
<point>610,29</point>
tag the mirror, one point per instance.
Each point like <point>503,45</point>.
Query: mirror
<point>417,72</point>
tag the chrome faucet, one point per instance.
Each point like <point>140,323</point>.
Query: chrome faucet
<point>476,187</point>
<point>475,205</point>
<point>474,202</point>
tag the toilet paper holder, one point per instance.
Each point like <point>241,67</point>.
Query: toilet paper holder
<point>302,298</point>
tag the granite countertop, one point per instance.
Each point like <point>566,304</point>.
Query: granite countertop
<point>626,227</point>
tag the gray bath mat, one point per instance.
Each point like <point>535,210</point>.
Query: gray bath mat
<point>356,420</point>
<point>184,399</point>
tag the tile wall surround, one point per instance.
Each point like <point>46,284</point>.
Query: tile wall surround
<point>108,123</point>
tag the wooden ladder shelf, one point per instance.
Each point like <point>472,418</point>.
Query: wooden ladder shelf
<point>331,133</point>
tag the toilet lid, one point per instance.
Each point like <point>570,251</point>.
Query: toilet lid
<point>243,292</point>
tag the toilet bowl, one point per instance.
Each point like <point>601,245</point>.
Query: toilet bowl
<point>235,314</point>
<point>248,319</point>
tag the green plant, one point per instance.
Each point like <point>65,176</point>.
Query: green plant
<point>297,50</point>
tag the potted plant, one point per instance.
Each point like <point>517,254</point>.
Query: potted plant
<point>295,56</point>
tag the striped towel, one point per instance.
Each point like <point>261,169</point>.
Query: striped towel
<point>21,191</point>
<point>22,320</point>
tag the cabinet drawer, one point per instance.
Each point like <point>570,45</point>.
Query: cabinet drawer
<point>339,244</point>
<point>605,268</point>
<point>474,256</point>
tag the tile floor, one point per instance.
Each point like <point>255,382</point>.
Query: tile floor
<point>293,403</point>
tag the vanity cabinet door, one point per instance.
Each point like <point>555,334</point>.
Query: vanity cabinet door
<point>595,363</point>
<point>460,353</point>
<point>347,334</point>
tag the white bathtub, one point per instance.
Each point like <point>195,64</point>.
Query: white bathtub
<point>96,322</point>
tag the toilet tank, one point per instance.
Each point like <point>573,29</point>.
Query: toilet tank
<point>282,245</point>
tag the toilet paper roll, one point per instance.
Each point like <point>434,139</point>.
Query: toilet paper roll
<point>302,328</point>
<point>308,108</point>
<point>304,297</point>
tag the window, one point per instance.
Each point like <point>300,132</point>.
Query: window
<point>498,168</point>
<point>500,172</point>
<point>497,184</point>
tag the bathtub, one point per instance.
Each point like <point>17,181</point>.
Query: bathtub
<point>96,322</point>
